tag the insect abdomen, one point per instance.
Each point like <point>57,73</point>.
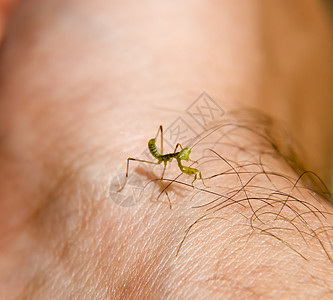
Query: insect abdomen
<point>152,148</point>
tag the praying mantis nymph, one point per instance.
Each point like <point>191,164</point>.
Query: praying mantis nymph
<point>183,154</point>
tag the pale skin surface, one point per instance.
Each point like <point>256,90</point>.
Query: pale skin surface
<point>84,85</point>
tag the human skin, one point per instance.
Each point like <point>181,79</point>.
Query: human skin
<point>84,85</point>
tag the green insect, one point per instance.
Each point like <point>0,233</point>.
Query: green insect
<point>183,154</point>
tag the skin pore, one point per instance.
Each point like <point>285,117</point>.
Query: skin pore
<point>84,85</point>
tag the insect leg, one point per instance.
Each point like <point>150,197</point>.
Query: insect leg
<point>195,178</point>
<point>127,168</point>
<point>178,145</point>
<point>200,176</point>
<point>160,129</point>
<point>192,171</point>
<point>163,186</point>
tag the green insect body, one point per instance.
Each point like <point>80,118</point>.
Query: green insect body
<point>183,154</point>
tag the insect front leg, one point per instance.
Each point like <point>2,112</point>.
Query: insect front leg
<point>195,178</point>
<point>200,176</point>
<point>192,171</point>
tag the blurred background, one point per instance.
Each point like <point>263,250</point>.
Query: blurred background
<point>297,61</point>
